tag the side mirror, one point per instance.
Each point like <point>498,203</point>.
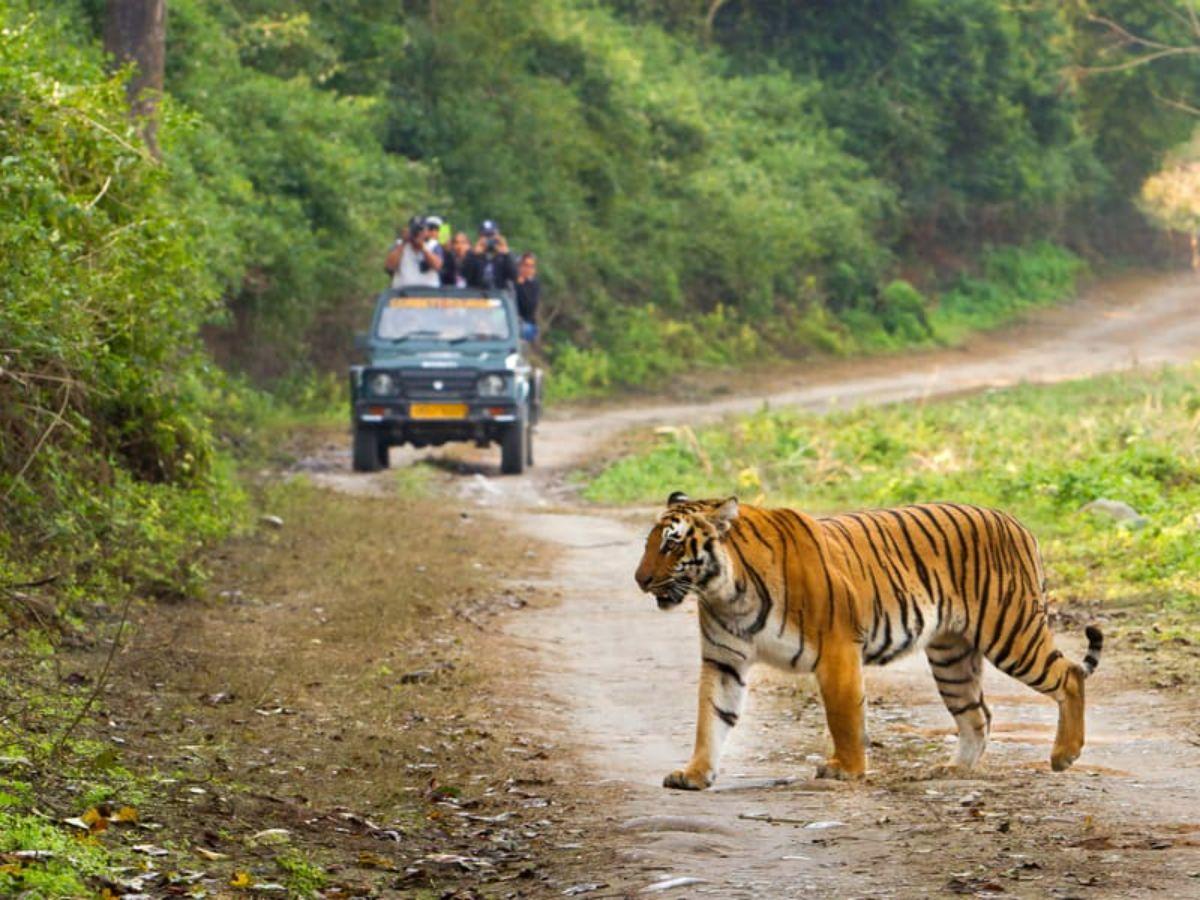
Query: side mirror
<point>361,341</point>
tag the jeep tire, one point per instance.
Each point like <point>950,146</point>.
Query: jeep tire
<point>369,449</point>
<point>514,448</point>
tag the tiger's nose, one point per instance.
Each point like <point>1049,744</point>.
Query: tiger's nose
<point>643,580</point>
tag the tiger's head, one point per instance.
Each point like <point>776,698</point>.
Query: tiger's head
<point>684,551</point>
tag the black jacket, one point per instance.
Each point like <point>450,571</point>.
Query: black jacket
<point>528,295</point>
<point>450,268</point>
<point>503,270</point>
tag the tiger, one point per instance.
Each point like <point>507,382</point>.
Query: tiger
<point>830,595</point>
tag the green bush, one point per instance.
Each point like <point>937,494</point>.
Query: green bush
<point>642,347</point>
<point>1011,280</point>
<point>108,467</point>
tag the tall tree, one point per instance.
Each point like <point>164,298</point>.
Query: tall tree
<point>135,31</point>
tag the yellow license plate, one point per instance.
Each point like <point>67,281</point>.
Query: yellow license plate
<point>438,411</point>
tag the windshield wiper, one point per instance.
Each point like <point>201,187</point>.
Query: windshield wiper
<point>478,336</point>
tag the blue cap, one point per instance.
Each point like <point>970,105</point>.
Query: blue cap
<point>487,227</point>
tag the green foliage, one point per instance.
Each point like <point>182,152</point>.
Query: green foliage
<point>1011,281</point>
<point>1038,452</point>
<point>640,170</point>
<point>303,878</point>
<point>639,346</point>
<point>62,874</point>
<point>108,469</point>
<point>962,106</point>
<point>779,168</point>
<point>298,196</point>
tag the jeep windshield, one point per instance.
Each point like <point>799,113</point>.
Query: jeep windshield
<point>443,319</point>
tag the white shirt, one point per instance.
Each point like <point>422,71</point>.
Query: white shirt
<point>409,274</point>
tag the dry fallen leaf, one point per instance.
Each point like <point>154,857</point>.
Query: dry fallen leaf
<point>240,880</point>
<point>149,850</point>
<point>212,855</point>
<point>375,861</point>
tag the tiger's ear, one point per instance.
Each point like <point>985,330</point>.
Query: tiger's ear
<point>725,513</point>
<point>676,498</point>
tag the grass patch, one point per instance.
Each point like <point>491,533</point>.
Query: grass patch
<point>1012,281</point>
<point>414,482</point>
<point>1041,453</point>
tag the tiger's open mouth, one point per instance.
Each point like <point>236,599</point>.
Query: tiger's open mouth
<point>670,594</point>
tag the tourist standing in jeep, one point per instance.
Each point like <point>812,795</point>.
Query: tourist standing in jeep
<point>489,265</point>
<point>416,259</point>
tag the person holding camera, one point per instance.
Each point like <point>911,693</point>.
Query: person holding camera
<point>489,265</point>
<point>416,259</point>
<point>454,265</point>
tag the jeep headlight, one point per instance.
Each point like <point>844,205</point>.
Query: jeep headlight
<point>492,385</point>
<point>381,384</point>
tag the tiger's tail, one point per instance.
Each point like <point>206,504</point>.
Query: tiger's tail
<point>1095,645</point>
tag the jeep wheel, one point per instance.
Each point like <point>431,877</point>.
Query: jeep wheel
<point>514,448</point>
<point>367,450</point>
<point>529,446</point>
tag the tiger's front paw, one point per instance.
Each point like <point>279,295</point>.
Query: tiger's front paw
<point>689,779</point>
<point>833,769</point>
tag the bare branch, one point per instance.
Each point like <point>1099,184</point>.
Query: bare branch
<point>58,420</point>
<point>710,19</point>
<point>1170,10</point>
<point>101,680</point>
<point>1140,61</point>
<point>103,191</point>
<point>1124,33</point>
<point>1193,17</point>
<point>1177,104</point>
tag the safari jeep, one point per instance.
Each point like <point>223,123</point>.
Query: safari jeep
<point>444,364</point>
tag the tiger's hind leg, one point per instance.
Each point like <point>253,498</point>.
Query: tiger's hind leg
<point>958,670</point>
<point>1038,664</point>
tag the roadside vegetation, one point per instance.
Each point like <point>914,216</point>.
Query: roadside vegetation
<point>313,723</point>
<point>1042,453</point>
<point>771,181</point>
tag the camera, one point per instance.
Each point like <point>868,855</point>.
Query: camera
<point>492,244</point>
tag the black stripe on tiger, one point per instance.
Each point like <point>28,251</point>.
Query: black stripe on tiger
<point>725,669</point>
<point>729,718</point>
<point>1095,645</point>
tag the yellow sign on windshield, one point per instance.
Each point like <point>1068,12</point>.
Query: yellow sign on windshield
<point>443,303</point>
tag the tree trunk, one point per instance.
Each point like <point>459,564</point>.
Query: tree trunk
<point>135,31</point>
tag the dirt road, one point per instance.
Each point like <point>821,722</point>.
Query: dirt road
<point>1124,822</point>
